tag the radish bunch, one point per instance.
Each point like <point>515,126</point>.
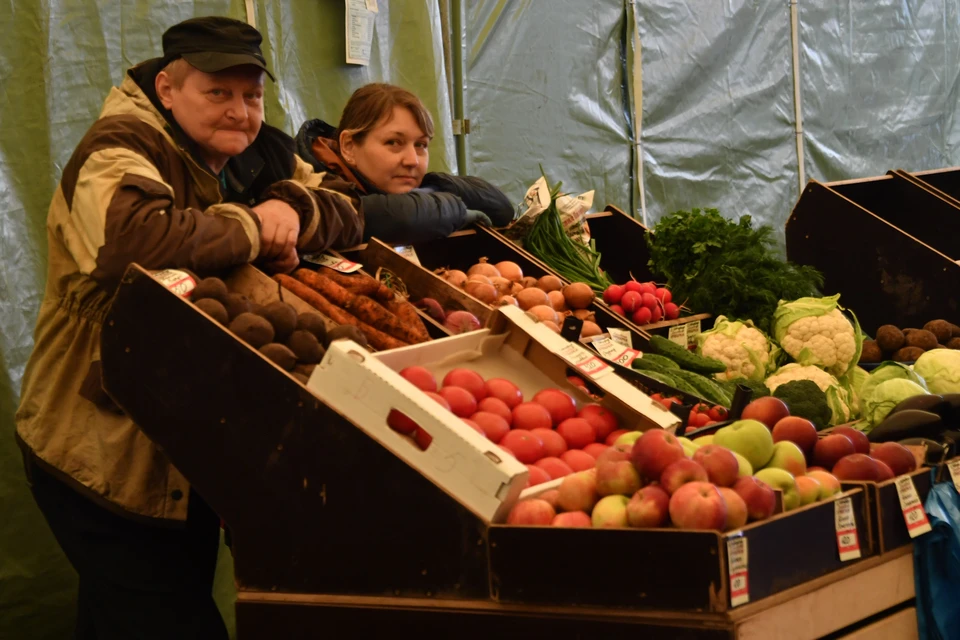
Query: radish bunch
<point>642,302</point>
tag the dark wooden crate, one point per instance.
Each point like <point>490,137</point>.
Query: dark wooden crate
<point>314,504</point>
<point>885,275</point>
<point>886,516</point>
<point>945,181</point>
<point>621,241</point>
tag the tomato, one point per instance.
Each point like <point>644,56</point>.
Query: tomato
<point>657,397</point>
<point>701,407</point>
<point>702,420</point>
<point>718,413</point>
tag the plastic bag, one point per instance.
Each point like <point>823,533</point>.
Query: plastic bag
<point>936,562</point>
<point>572,209</point>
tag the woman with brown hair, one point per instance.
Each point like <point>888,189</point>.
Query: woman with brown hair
<point>380,153</point>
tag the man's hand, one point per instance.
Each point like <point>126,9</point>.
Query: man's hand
<point>279,229</point>
<point>285,263</point>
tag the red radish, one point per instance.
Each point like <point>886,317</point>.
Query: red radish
<point>496,406</point>
<point>556,467</point>
<point>559,404</point>
<point>526,446</point>
<point>553,443</point>
<point>577,432</point>
<point>650,300</point>
<point>458,322</point>
<point>648,287</point>
<point>466,379</point>
<point>602,420</point>
<point>537,476</point>
<point>420,377</point>
<point>631,301</point>
<point>491,425</point>
<point>504,390</point>
<point>578,460</point>
<point>642,316</point>
<point>656,314</point>
<point>633,285</point>
<point>671,311</point>
<point>663,295</point>
<point>612,294</point>
<point>400,423</point>
<point>462,402</point>
<point>473,425</point>
<point>439,399</point>
<point>617,309</point>
<point>595,448</point>
<point>614,435</point>
<point>531,415</point>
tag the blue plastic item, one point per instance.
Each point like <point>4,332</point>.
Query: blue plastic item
<point>936,562</point>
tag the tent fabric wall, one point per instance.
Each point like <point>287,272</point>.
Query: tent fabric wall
<point>544,83</point>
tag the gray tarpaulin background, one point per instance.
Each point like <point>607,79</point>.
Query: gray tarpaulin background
<point>551,81</point>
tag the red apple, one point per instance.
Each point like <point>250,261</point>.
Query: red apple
<point>648,508</point>
<point>720,464</point>
<point>602,420</point>
<point>829,485</point>
<point>736,509</point>
<point>420,377</point>
<point>576,519</point>
<point>560,405</point>
<point>578,491</point>
<point>884,472</point>
<point>610,439</point>
<point>768,410</point>
<point>861,444</point>
<point>896,456</point>
<point>578,460</point>
<point>758,496</point>
<point>617,478</point>
<point>856,466</point>
<point>809,489</point>
<point>553,443</point>
<point>577,432</point>
<point>552,496</point>
<point>789,457</point>
<point>531,512</point>
<point>698,505</point>
<point>555,467</point>
<point>595,449</point>
<point>797,430</point>
<point>616,453</point>
<point>654,451</point>
<point>830,449</point>
<point>680,473</point>
<point>527,447</point>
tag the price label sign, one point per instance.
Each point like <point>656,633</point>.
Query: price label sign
<point>678,334</point>
<point>621,336</point>
<point>408,252</point>
<point>847,541</point>
<point>953,466</point>
<point>693,330</point>
<point>337,264</point>
<point>179,282</point>
<point>739,575</point>
<point>584,361</point>
<point>913,513</point>
<point>615,352</point>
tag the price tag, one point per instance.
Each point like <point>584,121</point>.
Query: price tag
<point>408,252</point>
<point>179,282</point>
<point>337,264</point>
<point>615,352</point>
<point>584,361</point>
<point>737,562</point>
<point>621,336</point>
<point>953,466</point>
<point>847,541</point>
<point>678,334</point>
<point>693,330</point>
<point>913,513</point>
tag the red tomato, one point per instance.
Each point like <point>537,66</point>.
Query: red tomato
<point>718,413</point>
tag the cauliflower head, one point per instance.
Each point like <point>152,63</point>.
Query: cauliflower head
<point>741,347</point>
<point>837,397</point>
<point>814,331</point>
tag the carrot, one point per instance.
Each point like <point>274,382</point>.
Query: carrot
<point>408,313</point>
<point>358,283</point>
<point>362,307</point>
<point>378,339</point>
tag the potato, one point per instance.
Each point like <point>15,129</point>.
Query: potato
<point>305,346</point>
<point>871,352</point>
<point>908,354</point>
<point>210,288</point>
<point>236,304</point>
<point>280,355</point>
<point>923,339</point>
<point>282,317</point>
<point>889,339</point>
<point>941,329</point>
<point>214,309</point>
<point>252,329</point>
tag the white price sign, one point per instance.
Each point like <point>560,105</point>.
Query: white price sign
<point>337,264</point>
<point>847,541</point>
<point>678,334</point>
<point>615,352</point>
<point>693,330</point>
<point>913,513</point>
<point>621,336</point>
<point>953,466</point>
<point>179,282</point>
<point>584,361</point>
<point>739,578</point>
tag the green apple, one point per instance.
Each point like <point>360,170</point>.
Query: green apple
<point>749,438</point>
<point>610,512</point>
<point>628,438</point>
<point>785,482</point>
<point>746,469</point>
<point>703,440</point>
<point>789,457</point>
<point>689,446</point>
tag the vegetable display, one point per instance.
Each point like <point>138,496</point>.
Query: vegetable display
<point>815,331</point>
<point>745,351</point>
<point>908,345</point>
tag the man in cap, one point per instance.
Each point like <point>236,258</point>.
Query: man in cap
<point>178,171</point>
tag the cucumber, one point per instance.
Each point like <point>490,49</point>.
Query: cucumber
<point>663,361</point>
<point>673,381</point>
<point>707,389</point>
<point>684,357</point>
<point>646,364</point>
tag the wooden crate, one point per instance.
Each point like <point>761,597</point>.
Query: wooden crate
<point>621,241</point>
<point>886,517</point>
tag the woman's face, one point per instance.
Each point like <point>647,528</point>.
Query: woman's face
<point>393,155</point>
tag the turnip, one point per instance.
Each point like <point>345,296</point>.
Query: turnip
<point>461,322</point>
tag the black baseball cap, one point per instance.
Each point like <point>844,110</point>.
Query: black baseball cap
<point>214,43</point>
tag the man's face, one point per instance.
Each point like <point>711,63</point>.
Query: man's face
<point>221,112</point>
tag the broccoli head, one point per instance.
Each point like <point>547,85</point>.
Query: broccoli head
<point>806,400</point>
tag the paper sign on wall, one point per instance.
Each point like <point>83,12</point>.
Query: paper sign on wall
<point>359,26</point>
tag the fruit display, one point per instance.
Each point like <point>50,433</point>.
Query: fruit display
<point>386,320</point>
<point>547,298</point>
<point>907,345</point>
<point>294,342</point>
<point>721,482</point>
<point>643,303</point>
<point>548,432</point>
